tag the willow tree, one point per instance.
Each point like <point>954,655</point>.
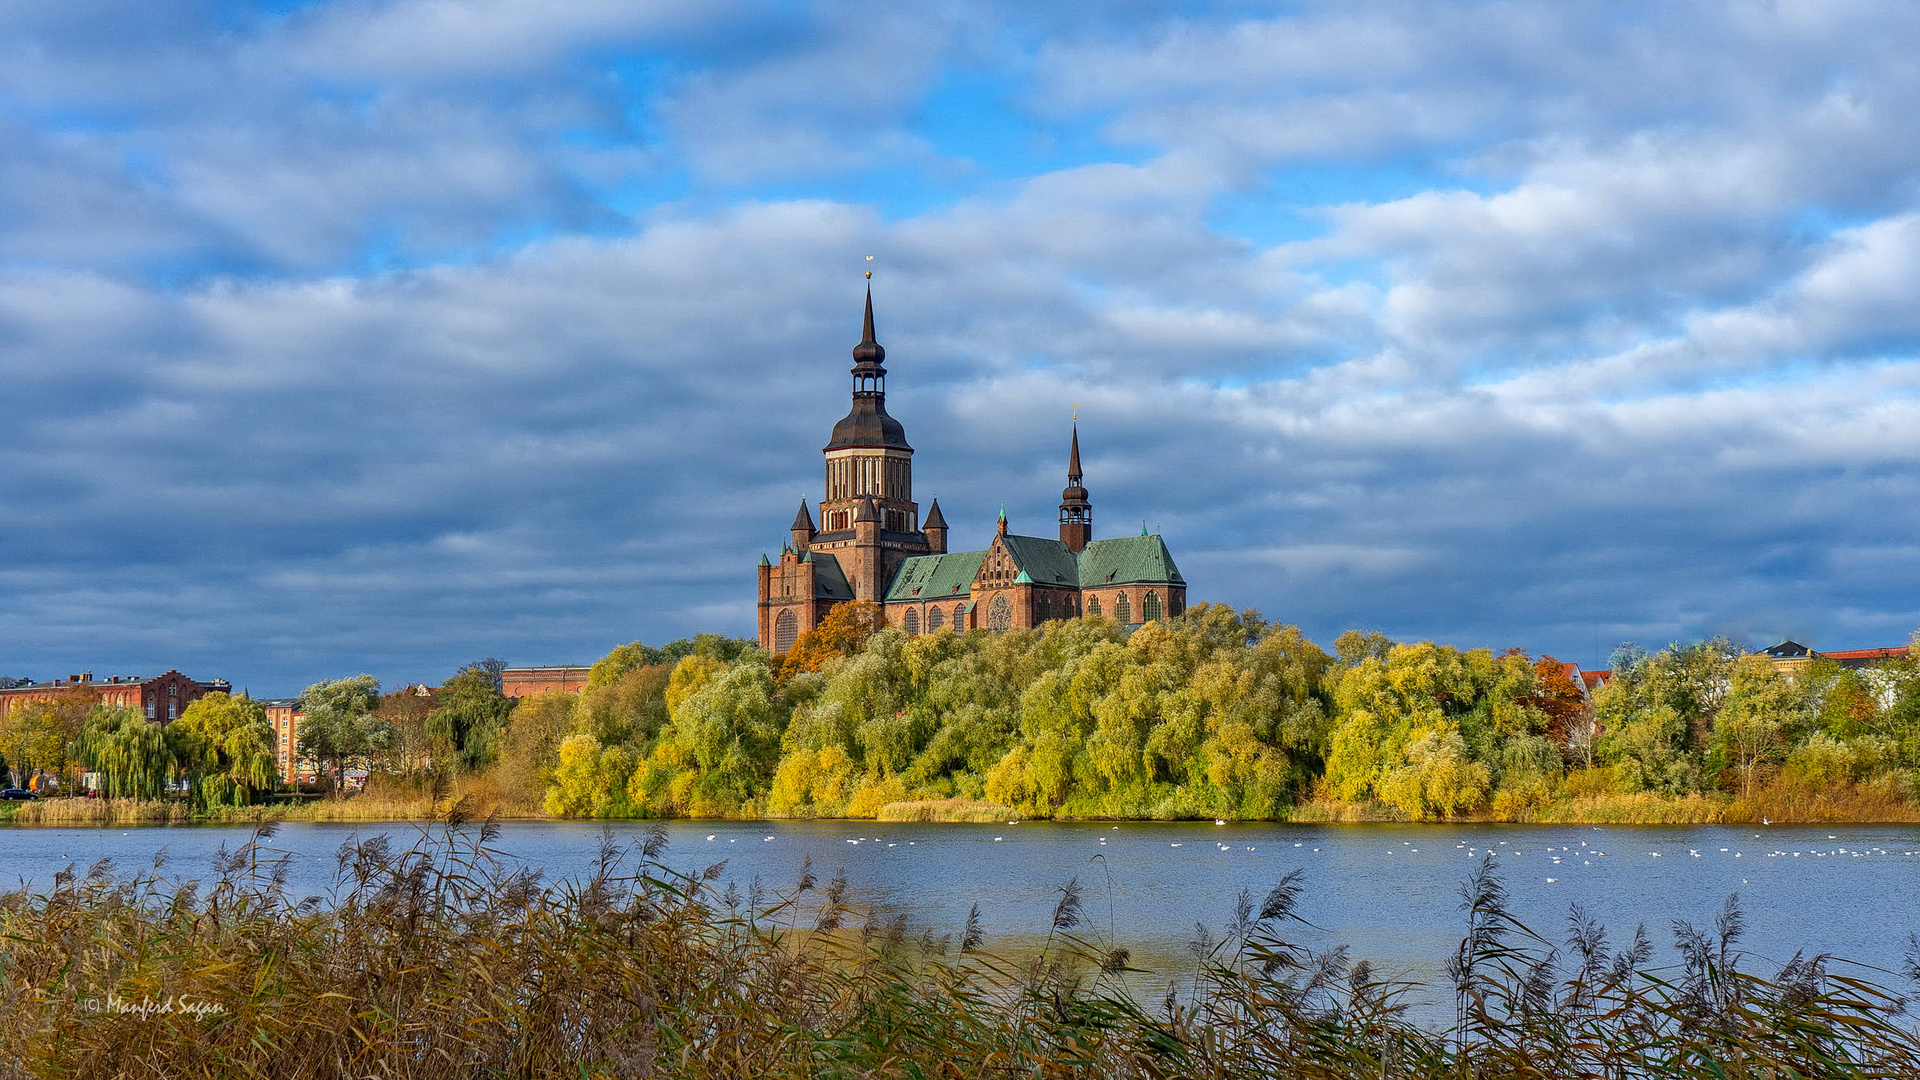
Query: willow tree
<point>133,756</point>
<point>226,747</point>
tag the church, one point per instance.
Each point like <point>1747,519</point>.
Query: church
<point>872,545</point>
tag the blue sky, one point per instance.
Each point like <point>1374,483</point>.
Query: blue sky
<point>381,335</point>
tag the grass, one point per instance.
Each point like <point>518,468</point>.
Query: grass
<point>442,961</point>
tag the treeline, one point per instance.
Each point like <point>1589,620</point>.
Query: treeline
<point>1215,713</point>
<point>220,751</point>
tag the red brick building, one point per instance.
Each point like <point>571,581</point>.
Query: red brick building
<point>523,682</point>
<point>161,697</point>
<point>871,545</point>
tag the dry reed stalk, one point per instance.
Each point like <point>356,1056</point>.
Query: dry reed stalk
<point>443,961</point>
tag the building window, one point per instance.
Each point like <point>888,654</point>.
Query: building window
<point>173,710</point>
<point>911,623</point>
<point>959,617</point>
<point>1000,614</point>
<point>149,710</point>
<point>1123,608</point>
<point>786,630</point>
<point>1175,605</point>
<point>934,619</point>
<point>1093,606</point>
<point>1152,606</point>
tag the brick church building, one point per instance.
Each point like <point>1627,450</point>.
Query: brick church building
<point>872,545</point>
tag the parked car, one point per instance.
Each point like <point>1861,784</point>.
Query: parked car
<point>17,793</point>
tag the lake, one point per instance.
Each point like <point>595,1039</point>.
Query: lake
<point>1390,892</point>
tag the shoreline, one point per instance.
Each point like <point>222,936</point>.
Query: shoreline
<point>1591,810</point>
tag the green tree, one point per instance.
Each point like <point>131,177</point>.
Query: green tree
<point>340,728</point>
<point>226,747</point>
<point>133,756</point>
<point>470,716</point>
<point>1761,716</point>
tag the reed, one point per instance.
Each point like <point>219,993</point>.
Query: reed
<point>962,810</point>
<point>442,961</point>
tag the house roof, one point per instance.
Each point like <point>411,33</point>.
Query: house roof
<point>1127,560</point>
<point>1787,650</point>
<point>1894,652</point>
<point>936,577</point>
<point>1046,562</point>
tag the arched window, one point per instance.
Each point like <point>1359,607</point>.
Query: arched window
<point>1093,606</point>
<point>786,630</point>
<point>1000,614</point>
<point>1123,608</point>
<point>959,617</point>
<point>1152,606</point>
<point>911,623</point>
<point>934,619</point>
<point>1175,605</point>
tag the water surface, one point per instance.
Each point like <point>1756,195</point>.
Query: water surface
<point>1390,892</point>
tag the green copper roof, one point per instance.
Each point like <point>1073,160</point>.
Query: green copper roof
<point>1128,559</point>
<point>1045,562</point>
<point>936,577</point>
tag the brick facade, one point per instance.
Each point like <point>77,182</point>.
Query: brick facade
<point>522,682</point>
<point>871,545</point>
<point>161,697</point>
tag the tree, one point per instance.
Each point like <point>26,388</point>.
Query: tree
<point>133,756</point>
<point>845,629</point>
<point>470,716</point>
<point>406,713</point>
<point>226,746</point>
<point>340,727</point>
<point>35,738</point>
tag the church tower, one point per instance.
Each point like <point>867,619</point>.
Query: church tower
<point>1076,513</point>
<point>868,519</point>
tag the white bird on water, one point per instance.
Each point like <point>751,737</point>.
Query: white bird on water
<point>709,836</point>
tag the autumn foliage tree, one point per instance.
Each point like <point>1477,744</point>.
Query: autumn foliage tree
<point>845,629</point>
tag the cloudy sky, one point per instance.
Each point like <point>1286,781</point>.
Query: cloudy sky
<point>380,335</point>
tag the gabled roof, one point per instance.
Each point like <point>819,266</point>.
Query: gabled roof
<point>1128,560</point>
<point>936,577</point>
<point>829,581</point>
<point>1047,562</point>
<point>1788,649</point>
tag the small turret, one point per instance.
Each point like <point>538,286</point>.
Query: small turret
<point>935,528</point>
<point>1001,528</point>
<point>802,528</point>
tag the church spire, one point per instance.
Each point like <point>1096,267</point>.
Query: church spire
<point>867,423</point>
<point>1076,513</point>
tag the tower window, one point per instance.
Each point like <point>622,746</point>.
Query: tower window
<point>786,630</point>
<point>1152,606</point>
<point>911,623</point>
